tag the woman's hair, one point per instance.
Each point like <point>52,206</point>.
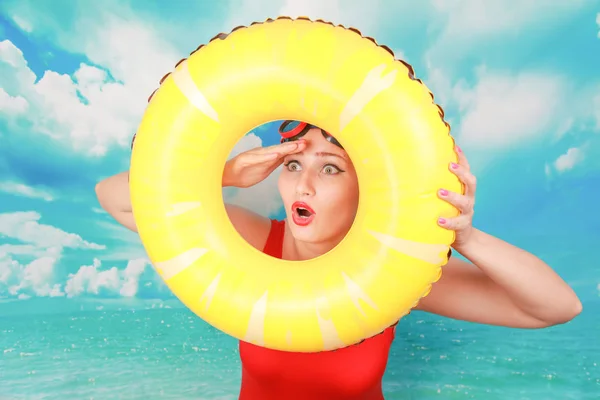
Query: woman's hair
<point>302,129</point>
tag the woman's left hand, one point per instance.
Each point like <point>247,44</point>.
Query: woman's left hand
<point>465,203</point>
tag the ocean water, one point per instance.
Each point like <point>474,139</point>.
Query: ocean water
<point>172,354</point>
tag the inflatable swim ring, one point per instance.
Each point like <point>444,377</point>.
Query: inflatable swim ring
<point>329,76</point>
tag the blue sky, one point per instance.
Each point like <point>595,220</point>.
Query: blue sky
<point>520,87</point>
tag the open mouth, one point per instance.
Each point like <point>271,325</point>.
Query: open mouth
<point>303,214</point>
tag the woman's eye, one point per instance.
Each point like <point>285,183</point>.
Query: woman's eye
<point>331,169</point>
<point>292,166</point>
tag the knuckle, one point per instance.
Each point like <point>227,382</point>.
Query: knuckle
<point>472,180</point>
<point>462,202</point>
<point>469,203</point>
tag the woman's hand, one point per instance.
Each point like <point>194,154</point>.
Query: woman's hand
<point>253,166</point>
<point>462,224</point>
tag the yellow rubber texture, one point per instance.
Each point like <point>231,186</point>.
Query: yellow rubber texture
<point>334,78</point>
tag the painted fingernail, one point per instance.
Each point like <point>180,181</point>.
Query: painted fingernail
<point>441,221</point>
<point>454,165</point>
<point>458,149</point>
<point>443,192</point>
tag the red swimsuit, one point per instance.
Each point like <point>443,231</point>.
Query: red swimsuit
<point>353,372</point>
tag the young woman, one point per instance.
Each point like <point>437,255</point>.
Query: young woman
<point>503,285</point>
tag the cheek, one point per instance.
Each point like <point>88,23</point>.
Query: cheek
<point>342,198</point>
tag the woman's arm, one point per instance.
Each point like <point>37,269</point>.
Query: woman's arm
<point>506,286</point>
<point>113,196</point>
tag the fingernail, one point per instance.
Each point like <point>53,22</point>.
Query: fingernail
<point>454,165</point>
<point>442,221</point>
<point>443,192</point>
<point>458,149</point>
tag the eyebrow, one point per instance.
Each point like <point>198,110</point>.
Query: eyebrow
<point>323,154</point>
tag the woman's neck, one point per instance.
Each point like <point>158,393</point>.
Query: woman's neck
<point>297,250</point>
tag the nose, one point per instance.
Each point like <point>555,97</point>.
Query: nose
<point>304,184</point>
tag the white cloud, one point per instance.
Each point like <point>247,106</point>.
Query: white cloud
<point>37,276</point>
<point>23,23</point>
<point>361,15</point>
<point>43,245</point>
<point>109,114</point>
<point>466,24</point>
<point>136,56</point>
<point>89,279</point>
<point>21,250</point>
<point>503,109</point>
<point>131,277</point>
<point>20,189</point>
<point>8,267</point>
<point>13,105</point>
<point>570,159</point>
<point>34,278</point>
<point>25,227</point>
<point>499,108</point>
<point>466,18</point>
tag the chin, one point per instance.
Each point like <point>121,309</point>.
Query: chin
<point>304,233</point>
<point>313,233</point>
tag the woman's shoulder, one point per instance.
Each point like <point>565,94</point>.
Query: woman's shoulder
<point>254,228</point>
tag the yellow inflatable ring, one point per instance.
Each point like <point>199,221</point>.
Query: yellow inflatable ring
<point>332,77</point>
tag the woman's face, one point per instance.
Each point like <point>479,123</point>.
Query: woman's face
<point>319,189</point>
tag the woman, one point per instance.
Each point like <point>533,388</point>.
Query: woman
<point>504,285</point>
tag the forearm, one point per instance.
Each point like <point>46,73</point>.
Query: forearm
<point>114,197</point>
<point>531,284</point>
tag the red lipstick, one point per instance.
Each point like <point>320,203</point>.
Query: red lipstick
<point>302,214</point>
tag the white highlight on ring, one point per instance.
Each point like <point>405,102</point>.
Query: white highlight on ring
<point>373,84</point>
<point>256,325</point>
<point>430,253</point>
<point>210,291</point>
<point>169,268</point>
<point>183,207</point>
<point>356,293</point>
<point>183,80</point>
<point>329,333</point>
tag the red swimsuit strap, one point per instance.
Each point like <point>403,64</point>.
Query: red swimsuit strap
<point>274,244</point>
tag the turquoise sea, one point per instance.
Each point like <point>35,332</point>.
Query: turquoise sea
<point>169,353</point>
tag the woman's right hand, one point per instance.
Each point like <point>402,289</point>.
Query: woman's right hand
<point>253,166</point>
